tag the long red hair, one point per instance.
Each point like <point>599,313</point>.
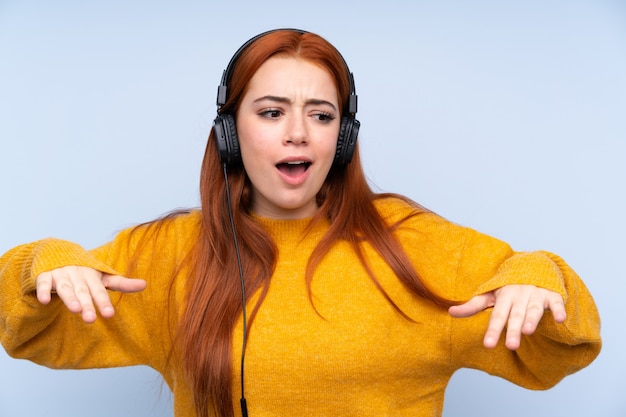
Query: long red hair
<point>213,294</point>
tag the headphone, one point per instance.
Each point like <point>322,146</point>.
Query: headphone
<point>225,128</point>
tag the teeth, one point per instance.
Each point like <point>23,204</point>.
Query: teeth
<point>296,162</point>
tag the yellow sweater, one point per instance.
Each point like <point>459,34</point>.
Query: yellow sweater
<point>362,358</point>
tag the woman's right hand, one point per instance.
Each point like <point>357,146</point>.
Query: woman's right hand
<point>81,287</point>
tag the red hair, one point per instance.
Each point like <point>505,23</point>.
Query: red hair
<point>213,294</point>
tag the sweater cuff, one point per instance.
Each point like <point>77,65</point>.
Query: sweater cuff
<point>49,254</point>
<point>527,268</point>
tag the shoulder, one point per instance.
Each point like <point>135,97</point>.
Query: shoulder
<point>178,222</point>
<point>417,226</point>
<point>400,211</point>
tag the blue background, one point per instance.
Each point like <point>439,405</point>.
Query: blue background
<point>504,116</point>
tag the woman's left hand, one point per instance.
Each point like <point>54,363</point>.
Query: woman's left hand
<point>518,307</point>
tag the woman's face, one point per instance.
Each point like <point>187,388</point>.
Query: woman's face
<point>288,124</point>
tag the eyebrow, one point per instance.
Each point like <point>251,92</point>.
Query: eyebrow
<point>312,101</point>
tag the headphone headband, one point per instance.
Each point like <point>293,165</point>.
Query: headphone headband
<point>222,89</point>
<point>225,128</point>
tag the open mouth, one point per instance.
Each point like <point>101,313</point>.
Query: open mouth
<point>293,168</point>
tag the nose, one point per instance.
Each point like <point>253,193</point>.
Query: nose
<point>296,130</point>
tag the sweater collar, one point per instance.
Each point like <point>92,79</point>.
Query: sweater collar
<point>295,230</point>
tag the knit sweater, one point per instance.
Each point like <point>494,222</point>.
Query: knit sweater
<point>355,355</point>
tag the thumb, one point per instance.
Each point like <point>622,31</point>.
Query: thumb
<point>474,305</point>
<point>123,284</point>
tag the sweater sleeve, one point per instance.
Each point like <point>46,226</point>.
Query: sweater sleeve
<point>138,333</point>
<point>554,350</point>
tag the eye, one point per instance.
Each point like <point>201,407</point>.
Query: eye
<point>324,117</point>
<point>271,113</point>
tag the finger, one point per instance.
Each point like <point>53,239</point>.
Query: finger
<point>474,305</point>
<point>123,284</point>
<point>497,321</point>
<point>80,279</point>
<point>555,303</point>
<point>515,323</point>
<point>43,285</point>
<point>534,313</point>
<point>98,294</point>
<point>62,284</point>
<point>115,283</point>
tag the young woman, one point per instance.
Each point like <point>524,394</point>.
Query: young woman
<point>356,303</point>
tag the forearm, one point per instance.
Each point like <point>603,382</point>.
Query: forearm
<point>556,348</point>
<point>52,335</point>
<point>28,328</point>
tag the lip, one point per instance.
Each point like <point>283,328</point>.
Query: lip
<point>299,158</point>
<point>291,178</point>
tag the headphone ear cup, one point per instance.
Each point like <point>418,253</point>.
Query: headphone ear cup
<point>346,142</point>
<point>226,140</point>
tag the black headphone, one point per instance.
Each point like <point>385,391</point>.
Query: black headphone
<point>225,128</point>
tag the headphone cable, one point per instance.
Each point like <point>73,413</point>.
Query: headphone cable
<point>244,406</point>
